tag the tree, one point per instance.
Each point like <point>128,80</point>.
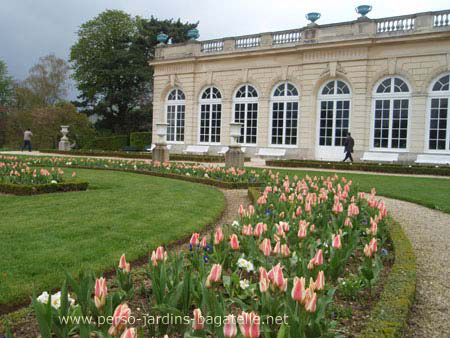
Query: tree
<point>6,86</point>
<point>48,80</point>
<point>110,64</point>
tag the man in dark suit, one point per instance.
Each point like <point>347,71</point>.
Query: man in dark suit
<point>349,143</point>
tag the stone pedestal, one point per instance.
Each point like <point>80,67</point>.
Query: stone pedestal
<point>160,153</point>
<point>64,144</point>
<point>234,157</point>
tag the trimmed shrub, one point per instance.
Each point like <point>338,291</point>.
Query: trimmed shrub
<point>140,139</point>
<point>144,156</point>
<point>390,314</point>
<point>110,143</point>
<point>25,189</point>
<point>374,167</point>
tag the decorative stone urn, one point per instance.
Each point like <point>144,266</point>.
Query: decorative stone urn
<point>193,34</point>
<point>64,143</point>
<point>363,10</point>
<point>162,38</point>
<point>161,152</point>
<point>234,157</point>
<point>313,17</point>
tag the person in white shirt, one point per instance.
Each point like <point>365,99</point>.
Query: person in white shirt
<point>27,139</point>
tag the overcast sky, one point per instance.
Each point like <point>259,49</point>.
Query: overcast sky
<point>30,29</point>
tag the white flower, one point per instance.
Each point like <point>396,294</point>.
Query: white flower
<point>43,298</point>
<point>206,175</point>
<point>55,299</point>
<point>244,284</point>
<point>235,224</point>
<point>245,264</point>
<point>187,174</point>
<point>68,163</point>
<point>135,167</point>
<point>53,182</point>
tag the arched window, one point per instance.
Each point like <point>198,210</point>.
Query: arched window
<point>334,116</point>
<point>175,109</point>
<point>439,119</point>
<point>285,99</point>
<point>210,115</point>
<point>391,110</point>
<point>245,104</point>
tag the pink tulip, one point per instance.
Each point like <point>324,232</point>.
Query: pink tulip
<point>251,210</point>
<point>194,239</point>
<point>298,212</point>
<point>262,200</point>
<point>320,281</point>
<point>247,230</point>
<point>373,245</point>
<point>265,247</point>
<point>276,277</point>
<point>348,222</point>
<point>229,327</point>
<point>298,291</point>
<point>241,210</point>
<point>249,324</point>
<point>218,236</point>
<point>264,280</point>
<point>368,251</point>
<point>260,228</point>
<point>158,256</point>
<point>234,242</point>
<point>310,300</point>
<point>277,248</point>
<point>216,273</point>
<point>101,290</point>
<point>318,258</point>
<point>123,264</point>
<point>203,242</point>
<point>285,252</point>
<point>198,322</point>
<point>120,319</point>
<point>336,240</point>
<point>302,232</point>
<point>129,333</point>
<point>280,230</point>
<point>283,198</point>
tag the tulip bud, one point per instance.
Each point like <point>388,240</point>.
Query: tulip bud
<point>336,240</point>
<point>101,291</point>
<point>229,327</point>
<point>198,321</point>
<point>234,242</point>
<point>249,324</point>
<point>265,247</point>
<point>123,264</point>
<point>218,236</point>
<point>298,290</point>
<point>320,281</point>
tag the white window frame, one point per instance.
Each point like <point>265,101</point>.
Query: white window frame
<point>391,97</point>
<point>210,102</point>
<point>176,103</point>
<point>283,99</point>
<point>335,98</point>
<point>437,95</point>
<point>246,100</point>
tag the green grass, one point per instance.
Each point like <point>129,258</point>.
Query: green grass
<point>430,192</point>
<point>41,236</point>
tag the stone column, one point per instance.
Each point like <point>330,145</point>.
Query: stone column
<point>161,152</point>
<point>234,157</point>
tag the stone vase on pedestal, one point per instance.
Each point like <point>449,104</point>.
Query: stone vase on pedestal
<point>234,157</point>
<point>64,143</point>
<point>161,152</point>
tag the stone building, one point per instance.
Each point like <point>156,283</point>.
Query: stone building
<point>385,80</point>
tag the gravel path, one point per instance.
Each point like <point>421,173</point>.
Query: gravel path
<point>429,232</point>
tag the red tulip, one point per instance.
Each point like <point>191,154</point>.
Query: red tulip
<point>229,327</point>
<point>101,291</point>
<point>249,324</point>
<point>234,242</point>
<point>124,265</point>
<point>265,247</point>
<point>336,241</point>
<point>194,239</point>
<point>310,300</point>
<point>298,291</point>
<point>198,322</point>
<point>264,280</point>
<point>218,236</point>
<point>320,281</point>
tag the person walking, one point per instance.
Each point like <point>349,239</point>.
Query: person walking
<point>349,143</point>
<point>27,139</point>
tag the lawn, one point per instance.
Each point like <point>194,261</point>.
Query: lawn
<point>121,213</point>
<point>430,192</point>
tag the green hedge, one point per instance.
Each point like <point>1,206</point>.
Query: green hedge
<point>24,189</point>
<point>144,156</point>
<point>110,143</point>
<point>375,167</point>
<point>390,314</point>
<point>140,139</point>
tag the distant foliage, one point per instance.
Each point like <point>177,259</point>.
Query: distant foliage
<point>140,139</point>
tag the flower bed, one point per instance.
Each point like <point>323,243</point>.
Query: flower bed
<point>226,178</point>
<point>141,155</point>
<point>273,272</point>
<point>374,167</point>
<point>18,178</point>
